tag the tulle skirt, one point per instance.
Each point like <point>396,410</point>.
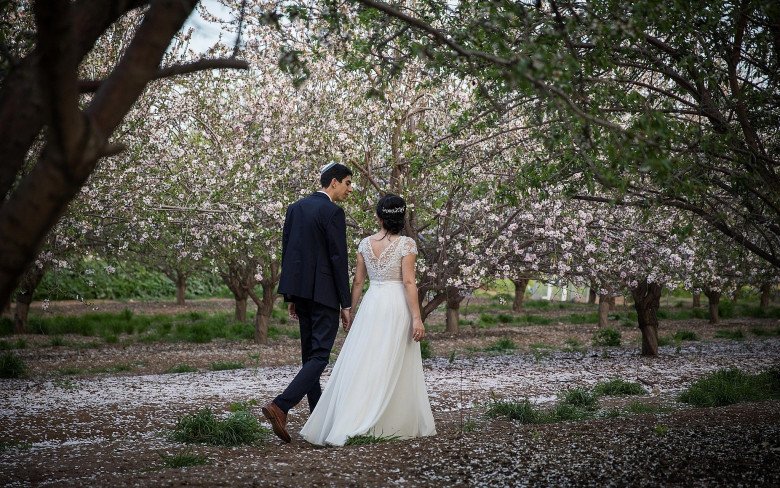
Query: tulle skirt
<point>377,385</point>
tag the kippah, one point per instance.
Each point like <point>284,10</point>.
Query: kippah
<point>327,167</point>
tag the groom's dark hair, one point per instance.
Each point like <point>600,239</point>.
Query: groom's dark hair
<point>338,171</point>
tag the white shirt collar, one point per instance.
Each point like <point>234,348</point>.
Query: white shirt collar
<point>320,191</point>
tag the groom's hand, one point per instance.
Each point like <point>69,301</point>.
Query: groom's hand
<point>346,318</point>
<point>292,312</point>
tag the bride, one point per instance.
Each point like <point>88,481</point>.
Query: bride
<point>377,386</point>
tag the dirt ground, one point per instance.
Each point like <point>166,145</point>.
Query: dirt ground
<point>104,428</point>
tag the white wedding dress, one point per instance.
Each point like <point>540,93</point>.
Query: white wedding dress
<point>377,385</point>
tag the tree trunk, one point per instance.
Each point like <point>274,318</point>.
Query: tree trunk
<point>611,301</point>
<point>181,287</point>
<point>263,316</point>
<point>240,315</point>
<point>32,278</point>
<point>647,300</point>
<point>736,294</point>
<point>453,310</point>
<point>520,285</point>
<point>766,290</point>
<point>603,310</point>
<point>696,300</point>
<point>592,296</point>
<point>714,298</point>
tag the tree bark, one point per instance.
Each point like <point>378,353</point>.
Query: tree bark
<point>75,140</point>
<point>603,311</point>
<point>181,287</point>
<point>24,297</point>
<point>453,310</point>
<point>611,301</point>
<point>520,285</point>
<point>766,290</point>
<point>592,295</point>
<point>696,300</point>
<point>240,301</point>
<point>265,307</point>
<point>647,300</point>
<point>714,299</point>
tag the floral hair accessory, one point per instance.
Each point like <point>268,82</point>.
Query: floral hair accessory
<point>394,210</point>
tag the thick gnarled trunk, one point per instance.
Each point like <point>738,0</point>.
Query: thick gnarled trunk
<point>181,287</point>
<point>714,299</point>
<point>696,300</point>
<point>265,307</point>
<point>520,285</point>
<point>603,310</point>
<point>453,310</point>
<point>592,295</point>
<point>766,290</point>
<point>647,300</point>
<point>24,297</point>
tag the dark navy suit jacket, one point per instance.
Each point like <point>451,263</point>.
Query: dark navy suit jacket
<point>314,252</point>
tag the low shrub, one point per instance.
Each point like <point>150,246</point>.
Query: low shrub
<point>733,334</point>
<point>12,366</point>
<point>502,345</point>
<point>729,386</point>
<point>203,427</point>
<point>618,387</point>
<point>607,337</point>
<point>425,349</point>
<point>685,335</point>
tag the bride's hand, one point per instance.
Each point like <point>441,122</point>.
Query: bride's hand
<point>418,329</point>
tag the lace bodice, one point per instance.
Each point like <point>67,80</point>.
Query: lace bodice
<point>386,266</point>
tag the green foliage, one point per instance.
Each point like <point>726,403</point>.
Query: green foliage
<point>765,332</point>
<point>607,337</point>
<point>685,335</point>
<point>6,326</point>
<point>729,386</point>
<point>203,427</point>
<point>243,406</point>
<point>726,309</point>
<point>225,365</point>
<point>637,407</point>
<point>523,411</point>
<point>183,459</point>
<point>19,343</point>
<point>12,366</point>
<point>182,368</point>
<point>733,334</point>
<point>366,439</point>
<point>583,318</point>
<point>502,345</point>
<point>618,387</point>
<point>89,280</point>
<point>573,344</point>
<point>661,429</point>
<point>537,304</point>
<point>580,398</point>
<point>425,349</point>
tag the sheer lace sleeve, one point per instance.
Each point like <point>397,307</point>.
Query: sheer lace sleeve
<point>408,247</point>
<point>364,247</point>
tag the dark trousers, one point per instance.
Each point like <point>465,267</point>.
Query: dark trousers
<point>319,325</point>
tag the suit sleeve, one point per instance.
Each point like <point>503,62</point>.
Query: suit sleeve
<point>337,251</point>
<point>286,232</point>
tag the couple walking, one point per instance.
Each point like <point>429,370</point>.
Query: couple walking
<point>377,384</point>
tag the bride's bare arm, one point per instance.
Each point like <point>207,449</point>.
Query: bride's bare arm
<point>409,278</point>
<point>357,282</point>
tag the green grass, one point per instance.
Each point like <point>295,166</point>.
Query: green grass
<point>583,318</point>
<point>196,327</point>
<point>12,366</point>
<point>11,445</point>
<point>607,337</point>
<point>618,387</point>
<point>685,335</point>
<point>733,334</point>
<point>183,459</point>
<point>225,365</point>
<point>17,344</point>
<point>573,344</point>
<point>425,349</point>
<point>765,332</point>
<point>365,439</point>
<point>243,406</point>
<point>182,368</point>
<point>238,428</point>
<point>729,386</point>
<point>570,408</point>
<point>501,345</point>
<point>580,398</point>
<point>522,411</point>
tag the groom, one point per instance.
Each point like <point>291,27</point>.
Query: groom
<point>315,282</point>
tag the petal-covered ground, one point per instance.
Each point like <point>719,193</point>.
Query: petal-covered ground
<point>112,429</point>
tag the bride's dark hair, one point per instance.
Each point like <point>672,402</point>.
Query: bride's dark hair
<point>391,209</point>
